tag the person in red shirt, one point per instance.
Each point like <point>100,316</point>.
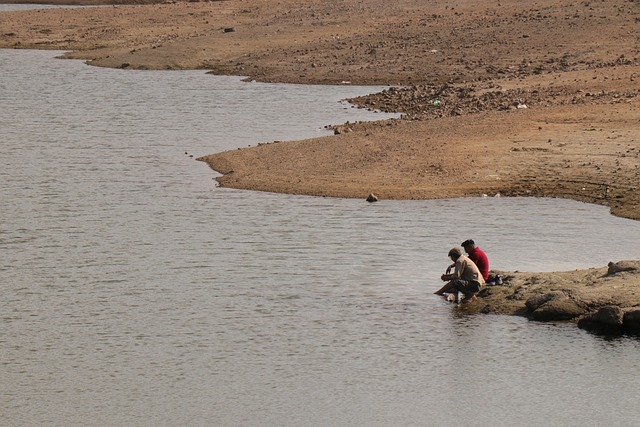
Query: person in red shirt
<point>478,256</point>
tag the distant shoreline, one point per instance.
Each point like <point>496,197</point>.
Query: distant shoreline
<point>545,118</point>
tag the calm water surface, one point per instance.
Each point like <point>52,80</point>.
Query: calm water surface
<point>136,292</point>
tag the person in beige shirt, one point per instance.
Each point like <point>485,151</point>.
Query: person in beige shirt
<point>466,278</point>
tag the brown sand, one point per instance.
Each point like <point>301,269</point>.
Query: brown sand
<point>522,98</point>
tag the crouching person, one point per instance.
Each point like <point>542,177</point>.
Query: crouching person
<point>466,278</point>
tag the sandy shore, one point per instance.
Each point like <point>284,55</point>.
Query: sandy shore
<point>469,68</point>
<point>521,98</point>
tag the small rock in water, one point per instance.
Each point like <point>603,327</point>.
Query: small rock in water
<point>372,198</point>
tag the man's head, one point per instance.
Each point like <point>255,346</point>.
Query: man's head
<point>455,253</point>
<point>468,245</point>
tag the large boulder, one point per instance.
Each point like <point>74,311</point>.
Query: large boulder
<point>555,305</point>
<point>608,320</point>
<point>561,309</point>
<point>621,266</point>
<point>536,301</point>
<point>632,322</point>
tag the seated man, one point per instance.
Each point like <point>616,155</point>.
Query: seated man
<point>478,257</point>
<point>466,278</point>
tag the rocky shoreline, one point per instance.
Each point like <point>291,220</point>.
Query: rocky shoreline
<point>601,300</point>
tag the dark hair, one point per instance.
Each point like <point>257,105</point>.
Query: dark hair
<point>455,253</point>
<point>468,243</point>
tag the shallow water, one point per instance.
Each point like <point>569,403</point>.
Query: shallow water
<point>136,292</point>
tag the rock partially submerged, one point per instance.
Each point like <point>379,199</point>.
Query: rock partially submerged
<point>612,320</point>
<point>371,198</point>
<point>555,305</point>
<point>632,322</point>
<point>606,320</point>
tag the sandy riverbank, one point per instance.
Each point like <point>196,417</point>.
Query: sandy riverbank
<point>518,98</point>
<point>470,67</point>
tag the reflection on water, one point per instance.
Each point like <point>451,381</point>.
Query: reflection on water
<point>135,292</point>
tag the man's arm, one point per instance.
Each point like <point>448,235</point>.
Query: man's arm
<point>456,273</point>
<point>449,268</point>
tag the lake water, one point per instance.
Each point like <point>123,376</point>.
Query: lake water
<point>135,292</point>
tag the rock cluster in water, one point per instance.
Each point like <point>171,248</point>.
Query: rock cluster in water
<point>603,300</point>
